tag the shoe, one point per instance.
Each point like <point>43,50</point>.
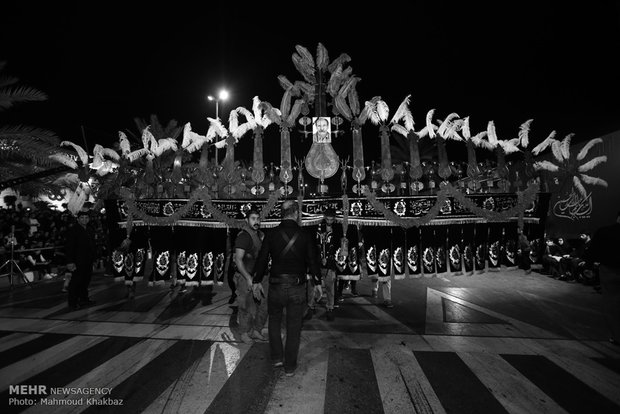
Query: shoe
<point>614,342</point>
<point>340,300</point>
<point>374,294</point>
<point>527,272</point>
<point>232,299</point>
<point>388,304</point>
<point>257,336</point>
<point>246,339</point>
<point>278,364</point>
<point>64,290</point>
<point>329,315</point>
<point>354,293</point>
<point>289,373</point>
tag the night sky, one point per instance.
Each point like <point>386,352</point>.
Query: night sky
<point>104,63</point>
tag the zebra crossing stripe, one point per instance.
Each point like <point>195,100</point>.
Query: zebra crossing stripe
<point>250,386</point>
<point>569,392</point>
<point>37,362</point>
<point>311,378</point>
<point>12,355</point>
<point>458,388</point>
<point>156,376</point>
<point>16,339</point>
<point>196,388</point>
<point>80,364</point>
<point>351,382</point>
<point>508,386</point>
<point>110,374</point>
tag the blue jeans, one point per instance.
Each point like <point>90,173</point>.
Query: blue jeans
<point>293,298</point>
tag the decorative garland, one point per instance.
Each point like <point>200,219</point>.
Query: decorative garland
<point>407,222</point>
<point>199,194</point>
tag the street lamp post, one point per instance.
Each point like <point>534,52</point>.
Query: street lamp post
<point>222,96</point>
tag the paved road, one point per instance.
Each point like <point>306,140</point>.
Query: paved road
<point>496,342</point>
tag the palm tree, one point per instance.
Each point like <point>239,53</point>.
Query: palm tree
<point>24,149</point>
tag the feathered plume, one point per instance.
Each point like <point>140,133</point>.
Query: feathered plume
<point>592,163</point>
<point>354,101</point>
<point>284,82</point>
<point>295,111</point>
<point>465,128</point>
<point>593,180</point>
<point>543,145</point>
<point>565,147</point>
<point>491,134</point>
<point>403,112</point>
<point>446,124</point>
<point>580,188</point>
<point>339,61</point>
<point>216,129</point>
<point>546,165</point>
<point>400,129</point>
<point>163,145</point>
<point>509,146</point>
<point>322,57</point>
<point>557,151</point>
<point>584,151</point>
<point>430,127</point>
<point>524,133</point>
<point>82,155</point>
<point>306,55</point>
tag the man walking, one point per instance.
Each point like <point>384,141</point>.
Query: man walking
<point>252,313</point>
<point>80,251</point>
<point>292,252</point>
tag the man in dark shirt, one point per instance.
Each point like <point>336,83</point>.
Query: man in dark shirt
<point>292,253</point>
<point>328,240</point>
<point>605,249</point>
<point>252,313</point>
<point>80,250</point>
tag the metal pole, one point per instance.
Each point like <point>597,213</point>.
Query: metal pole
<point>217,116</point>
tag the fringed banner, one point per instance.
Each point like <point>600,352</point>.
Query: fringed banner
<point>480,253</point>
<point>427,248</point>
<point>469,247</point>
<point>509,248</point>
<point>414,267</point>
<point>494,241</point>
<point>286,166</point>
<point>162,255</point>
<point>399,252</point>
<point>455,249</point>
<point>347,258</point>
<point>441,254</point>
<point>378,254</point>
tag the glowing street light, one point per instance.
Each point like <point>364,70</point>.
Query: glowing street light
<point>221,96</point>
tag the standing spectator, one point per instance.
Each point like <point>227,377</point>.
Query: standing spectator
<point>328,240</point>
<point>523,252</point>
<point>80,247</point>
<point>292,252</point>
<point>252,312</point>
<point>606,251</point>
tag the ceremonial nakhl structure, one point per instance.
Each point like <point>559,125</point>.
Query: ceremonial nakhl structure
<point>416,218</point>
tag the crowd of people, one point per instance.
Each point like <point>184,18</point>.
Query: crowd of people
<point>570,261</point>
<point>37,235</point>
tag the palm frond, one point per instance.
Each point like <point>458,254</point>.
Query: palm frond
<point>322,57</point>
<point>284,82</point>
<point>10,96</point>
<point>491,134</point>
<point>340,60</point>
<point>590,165</point>
<point>430,127</point>
<point>584,151</point>
<point>64,159</point>
<point>402,110</point>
